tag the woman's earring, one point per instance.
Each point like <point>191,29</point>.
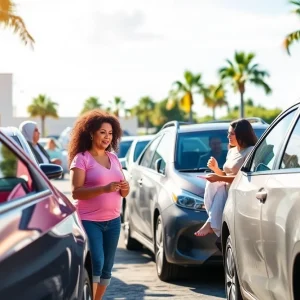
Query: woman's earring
<point>91,137</point>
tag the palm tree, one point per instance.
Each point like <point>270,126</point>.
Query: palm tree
<point>294,36</point>
<point>117,105</point>
<point>241,71</point>
<point>215,96</point>
<point>89,104</point>
<point>144,110</point>
<point>183,92</point>
<point>9,19</point>
<point>42,107</point>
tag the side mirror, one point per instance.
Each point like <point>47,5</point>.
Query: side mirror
<point>52,171</point>
<point>158,165</point>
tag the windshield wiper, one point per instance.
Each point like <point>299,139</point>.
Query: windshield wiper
<point>196,170</point>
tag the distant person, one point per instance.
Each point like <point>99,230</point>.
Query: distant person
<point>216,151</point>
<point>98,185</point>
<point>52,150</point>
<point>31,132</point>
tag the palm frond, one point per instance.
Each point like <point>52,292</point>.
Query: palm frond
<point>180,87</point>
<point>297,3</point>
<point>188,76</point>
<point>9,19</point>
<point>260,83</point>
<point>290,39</point>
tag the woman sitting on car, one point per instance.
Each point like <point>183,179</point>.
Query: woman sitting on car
<point>241,140</point>
<point>32,134</point>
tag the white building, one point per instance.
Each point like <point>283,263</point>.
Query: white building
<point>52,126</point>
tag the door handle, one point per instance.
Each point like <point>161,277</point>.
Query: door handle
<point>261,195</point>
<point>140,182</point>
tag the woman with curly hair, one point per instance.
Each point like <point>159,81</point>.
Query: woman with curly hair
<point>98,186</point>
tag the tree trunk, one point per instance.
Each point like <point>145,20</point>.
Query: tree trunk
<point>146,125</point>
<point>43,126</point>
<point>191,116</point>
<point>228,109</point>
<point>214,113</point>
<point>242,113</point>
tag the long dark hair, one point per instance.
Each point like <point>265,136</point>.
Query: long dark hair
<point>87,124</point>
<point>244,133</point>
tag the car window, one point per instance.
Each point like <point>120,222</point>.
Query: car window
<point>15,177</point>
<point>291,156</point>
<point>140,146</point>
<point>123,148</point>
<point>193,149</point>
<point>265,154</point>
<point>128,153</point>
<point>162,152</point>
<point>148,154</point>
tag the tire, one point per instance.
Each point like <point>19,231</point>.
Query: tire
<point>165,270</point>
<point>87,293</point>
<point>130,243</point>
<point>232,284</point>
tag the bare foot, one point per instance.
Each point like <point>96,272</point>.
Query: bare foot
<point>204,230</point>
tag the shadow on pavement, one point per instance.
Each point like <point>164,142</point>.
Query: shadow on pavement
<point>124,256</point>
<point>121,290</point>
<point>208,280</point>
<point>204,280</point>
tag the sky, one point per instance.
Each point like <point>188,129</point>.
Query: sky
<point>138,48</point>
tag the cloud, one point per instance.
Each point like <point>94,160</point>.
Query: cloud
<point>116,27</point>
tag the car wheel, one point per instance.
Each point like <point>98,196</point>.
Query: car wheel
<point>232,285</point>
<point>164,269</point>
<point>130,243</point>
<point>87,290</point>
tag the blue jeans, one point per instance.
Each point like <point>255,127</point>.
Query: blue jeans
<point>103,241</point>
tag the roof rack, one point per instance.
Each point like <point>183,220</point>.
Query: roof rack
<point>256,120</point>
<point>176,124</point>
<point>250,119</point>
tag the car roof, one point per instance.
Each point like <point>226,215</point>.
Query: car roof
<point>142,138</point>
<point>10,131</point>
<point>15,132</point>
<point>214,126</point>
<point>128,138</point>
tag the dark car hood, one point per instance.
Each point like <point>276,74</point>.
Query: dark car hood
<point>190,182</point>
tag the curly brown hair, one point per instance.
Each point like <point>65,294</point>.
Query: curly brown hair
<point>87,124</point>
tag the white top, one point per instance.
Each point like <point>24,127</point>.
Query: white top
<point>42,155</point>
<point>235,159</point>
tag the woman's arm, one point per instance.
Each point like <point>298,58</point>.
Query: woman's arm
<point>82,193</point>
<point>216,177</point>
<point>213,165</point>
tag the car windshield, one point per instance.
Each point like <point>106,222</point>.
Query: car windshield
<point>140,146</point>
<point>195,148</point>
<point>123,148</point>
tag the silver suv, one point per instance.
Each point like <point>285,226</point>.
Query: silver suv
<point>165,206</point>
<point>261,219</point>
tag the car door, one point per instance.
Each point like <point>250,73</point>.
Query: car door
<point>250,191</point>
<point>154,180</point>
<point>280,215</point>
<point>138,200</point>
<point>34,262</point>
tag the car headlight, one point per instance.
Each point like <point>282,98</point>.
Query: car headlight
<point>188,200</point>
